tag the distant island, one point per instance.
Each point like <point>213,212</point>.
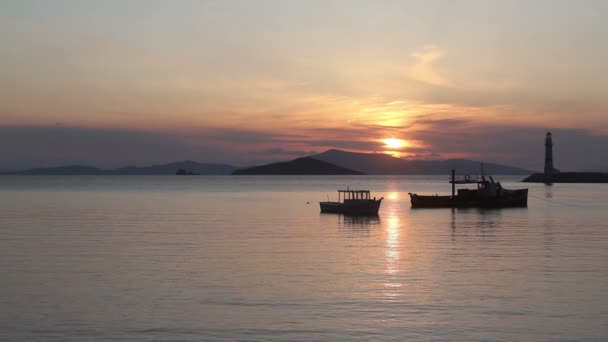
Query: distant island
<point>340,162</point>
<point>331,162</point>
<point>384,164</point>
<point>188,166</point>
<point>568,177</point>
<point>299,166</point>
<point>553,175</point>
<point>182,172</point>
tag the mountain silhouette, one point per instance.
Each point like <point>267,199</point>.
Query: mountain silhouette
<point>61,170</point>
<point>171,168</point>
<point>299,166</point>
<point>331,162</point>
<point>161,169</point>
<point>384,164</point>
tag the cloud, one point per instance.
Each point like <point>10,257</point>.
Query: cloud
<point>423,70</point>
<point>285,153</point>
<point>438,136</point>
<point>25,147</point>
<point>574,150</point>
<point>42,146</point>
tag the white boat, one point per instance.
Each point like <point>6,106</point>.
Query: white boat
<point>354,202</point>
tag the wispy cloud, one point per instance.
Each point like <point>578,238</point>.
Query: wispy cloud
<point>439,138</point>
<point>278,152</point>
<point>424,70</point>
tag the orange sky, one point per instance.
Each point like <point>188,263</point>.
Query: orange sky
<point>310,75</point>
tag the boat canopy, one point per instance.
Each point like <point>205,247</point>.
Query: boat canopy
<point>354,194</point>
<point>466,179</point>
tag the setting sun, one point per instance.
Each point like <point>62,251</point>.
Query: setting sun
<point>393,143</point>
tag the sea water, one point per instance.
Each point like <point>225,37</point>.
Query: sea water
<point>227,258</point>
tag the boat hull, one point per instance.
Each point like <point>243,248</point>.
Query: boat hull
<point>510,199</point>
<point>352,207</point>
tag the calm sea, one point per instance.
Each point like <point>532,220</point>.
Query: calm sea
<point>198,258</point>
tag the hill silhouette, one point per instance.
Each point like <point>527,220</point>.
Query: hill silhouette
<point>61,170</point>
<point>331,162</point>
<point>384,164</point>
<point>171,168</point>
<point>299,166</point>
<point>161,169</point>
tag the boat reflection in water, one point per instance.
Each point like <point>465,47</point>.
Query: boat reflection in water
<point>354,202</point>
<point>359,221</point>
<point>357,226</point>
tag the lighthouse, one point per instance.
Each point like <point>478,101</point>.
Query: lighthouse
<point>549,169</point>
<point>548,155</point>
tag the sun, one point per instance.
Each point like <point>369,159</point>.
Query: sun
<point>393,143</point>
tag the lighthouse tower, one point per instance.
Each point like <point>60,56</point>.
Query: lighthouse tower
<point>549,169</point>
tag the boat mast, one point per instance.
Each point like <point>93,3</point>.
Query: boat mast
<point>453,182</point>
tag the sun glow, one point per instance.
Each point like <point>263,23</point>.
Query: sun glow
<point>393,143</point>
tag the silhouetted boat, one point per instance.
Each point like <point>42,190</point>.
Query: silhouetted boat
<point>489,194</point>
<point>354,202</point>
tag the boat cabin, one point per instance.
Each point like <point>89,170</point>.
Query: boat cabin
<point>354,195</point>
<point>484,187</point>
<point>352,202</point>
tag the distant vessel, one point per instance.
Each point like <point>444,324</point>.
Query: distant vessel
<point>354,202</point>
<point>489,194</point>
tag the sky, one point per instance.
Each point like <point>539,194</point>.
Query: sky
<point>113,83</point>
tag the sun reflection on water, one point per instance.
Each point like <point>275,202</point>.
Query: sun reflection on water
<point>392,245</point>
<point>392,255</point>
<point>393,196</point>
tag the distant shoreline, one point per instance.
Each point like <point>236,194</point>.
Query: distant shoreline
<point>326,163</point>
<point>568,177</point>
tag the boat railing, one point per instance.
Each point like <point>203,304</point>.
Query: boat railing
<point>466,179</point>
<point>353,195</point>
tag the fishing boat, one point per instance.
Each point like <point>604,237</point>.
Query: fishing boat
<point>489,194</point>
<point>353,202</point>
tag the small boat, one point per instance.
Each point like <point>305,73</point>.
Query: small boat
<point>489,194</point>
<point>354,202</point>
